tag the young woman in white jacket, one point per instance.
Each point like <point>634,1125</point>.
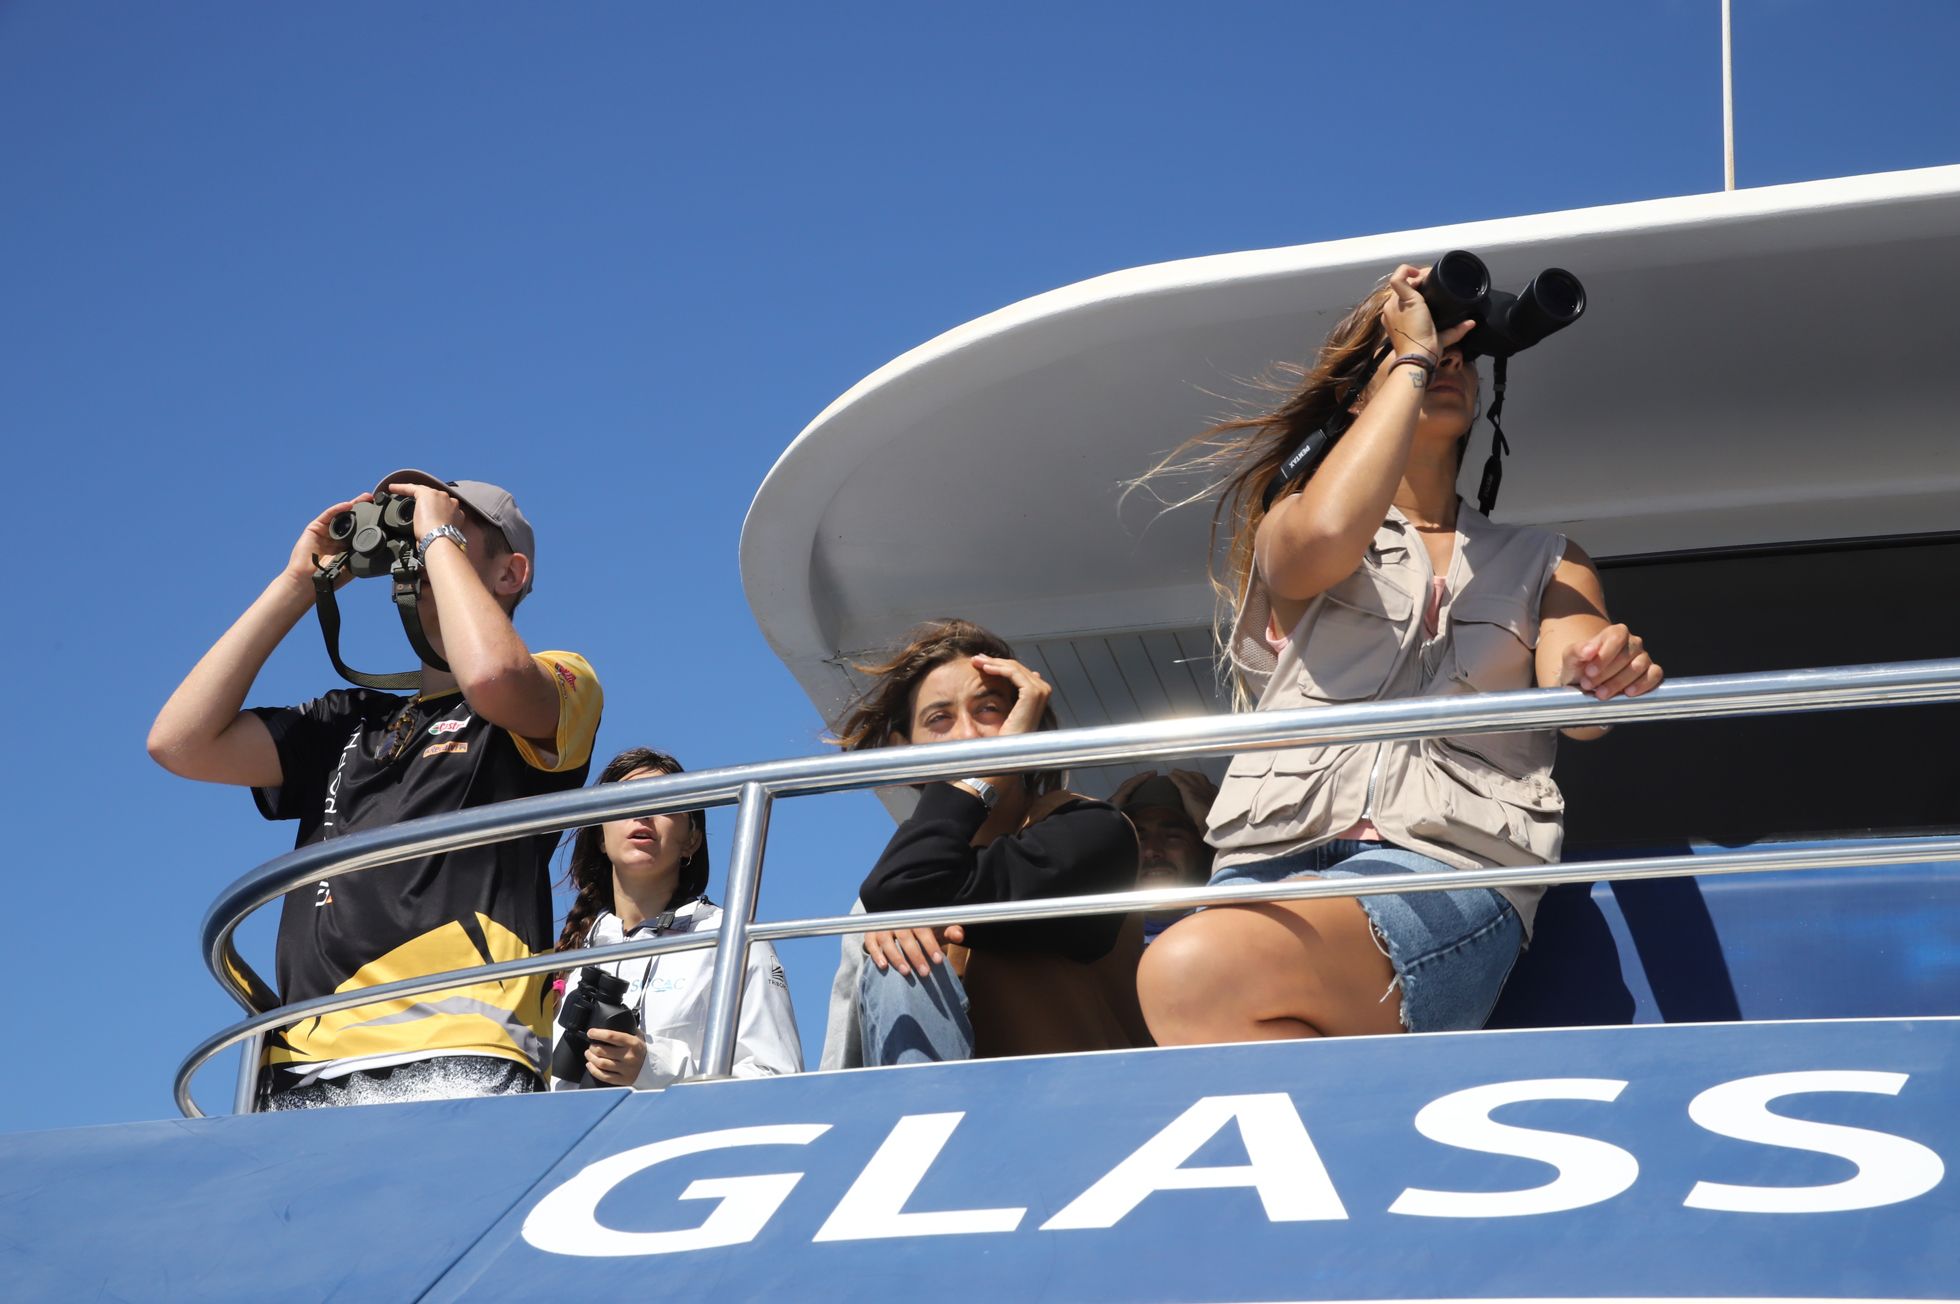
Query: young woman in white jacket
<point>646,877</point>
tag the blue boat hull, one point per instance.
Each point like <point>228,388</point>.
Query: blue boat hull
<point>1800,1160</point>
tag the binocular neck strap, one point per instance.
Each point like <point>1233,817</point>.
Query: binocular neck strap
<point>408,596</point>
<point>328,609</point>
<point>1494,467</point>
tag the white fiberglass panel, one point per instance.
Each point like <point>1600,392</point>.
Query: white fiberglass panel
<point>1739,377</point>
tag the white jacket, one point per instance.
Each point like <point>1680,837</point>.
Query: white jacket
<point>671,993</point>
<point>843,1039</point>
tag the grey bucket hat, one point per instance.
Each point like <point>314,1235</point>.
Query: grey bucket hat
<point>492,502</point>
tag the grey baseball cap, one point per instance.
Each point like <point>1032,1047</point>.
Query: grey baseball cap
<point>492,502</point>
<point>1155,791</point>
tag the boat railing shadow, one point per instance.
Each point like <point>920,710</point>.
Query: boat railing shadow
<point>1574,974</point>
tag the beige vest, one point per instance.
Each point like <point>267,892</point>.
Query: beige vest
<point>1476,801</point>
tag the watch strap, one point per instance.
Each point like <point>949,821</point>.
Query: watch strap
<point>986,792</point>
<point>448,532</point>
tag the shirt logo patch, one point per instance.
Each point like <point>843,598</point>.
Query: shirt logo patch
<point>565,676</point>
<point>659,985</point>
<point>445,749</point>
<point>442,727</point>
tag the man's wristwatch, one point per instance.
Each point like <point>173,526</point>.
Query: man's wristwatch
<point>985,791</point>
<point>448,532</point>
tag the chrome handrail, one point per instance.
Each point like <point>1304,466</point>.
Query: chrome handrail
<point>1849,853</point>
<point>753,787</point>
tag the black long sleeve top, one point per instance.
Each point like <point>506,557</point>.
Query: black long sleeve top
<point>1083,847</point>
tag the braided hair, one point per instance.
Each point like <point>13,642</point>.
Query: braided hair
<point>589,872</point>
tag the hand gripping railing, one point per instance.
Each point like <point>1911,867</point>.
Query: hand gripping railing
<point>753,788</point>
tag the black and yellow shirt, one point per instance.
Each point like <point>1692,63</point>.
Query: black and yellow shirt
<point>357,760</point>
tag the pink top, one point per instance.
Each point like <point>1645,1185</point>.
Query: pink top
<point>1364,830</point>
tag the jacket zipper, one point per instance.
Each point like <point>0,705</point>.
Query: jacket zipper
<point>1374,774</point>
<point>1375,767</point>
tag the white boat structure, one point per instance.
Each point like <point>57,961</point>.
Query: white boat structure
<point>1740,380</point>
<point>1729,1067</point>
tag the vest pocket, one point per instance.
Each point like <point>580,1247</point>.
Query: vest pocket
<point>1276,792</point>
<point>1498,817</point>
<point>1492,637</point>
<point>1351,637</point>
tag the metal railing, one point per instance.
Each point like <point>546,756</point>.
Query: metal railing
<point>754,788</point>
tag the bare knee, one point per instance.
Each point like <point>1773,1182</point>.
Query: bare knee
<point>1192,986</point>
<point>1263,972</point>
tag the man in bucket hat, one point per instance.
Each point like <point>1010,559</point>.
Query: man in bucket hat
<point>500,722</point>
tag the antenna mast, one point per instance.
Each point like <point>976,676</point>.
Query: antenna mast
<point>1728,103</point>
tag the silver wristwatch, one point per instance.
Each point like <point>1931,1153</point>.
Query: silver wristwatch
<point>985,791</point>
<point>448,532</point>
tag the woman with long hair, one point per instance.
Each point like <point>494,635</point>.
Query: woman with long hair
<point>1369,579</point>
<point>646,877</point>
<point>996,989</point>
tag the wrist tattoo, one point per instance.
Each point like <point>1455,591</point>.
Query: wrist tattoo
<point>1419,365</point>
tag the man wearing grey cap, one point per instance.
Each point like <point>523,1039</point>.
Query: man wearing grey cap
<point>499,723</point>
<point>1169,812</point>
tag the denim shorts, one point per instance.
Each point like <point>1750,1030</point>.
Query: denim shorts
<point>1451,951</point>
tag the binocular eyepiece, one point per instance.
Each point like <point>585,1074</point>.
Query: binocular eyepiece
<point>1458,289</point>
<point>377,534</point>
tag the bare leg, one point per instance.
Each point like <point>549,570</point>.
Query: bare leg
<point>1267,972</point>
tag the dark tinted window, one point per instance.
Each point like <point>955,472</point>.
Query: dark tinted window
<point>1738,781</point>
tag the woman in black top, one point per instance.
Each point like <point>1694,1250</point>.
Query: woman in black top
<point>1003,837</point>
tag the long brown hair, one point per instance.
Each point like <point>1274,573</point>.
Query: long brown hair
<point>884,708</point>
<point>1240,457</point>
<point>590,872</point>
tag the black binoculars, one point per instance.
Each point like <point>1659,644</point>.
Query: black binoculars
<point>377,534</point>
<point>1458,289</point>
<point>599,1001</point>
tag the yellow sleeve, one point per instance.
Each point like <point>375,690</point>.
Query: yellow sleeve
<point>580,700</point>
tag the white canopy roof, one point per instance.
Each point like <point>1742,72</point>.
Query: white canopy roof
<point>1757,366</point>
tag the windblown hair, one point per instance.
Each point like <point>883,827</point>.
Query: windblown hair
<point>590,872</point>
<point>882,714</point>
<point>1240,457</point>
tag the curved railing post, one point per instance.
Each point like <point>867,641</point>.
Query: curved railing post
<point>732,948</point>
<point>245,1095</point>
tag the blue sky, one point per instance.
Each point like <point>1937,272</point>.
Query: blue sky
<point>614,256</point>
